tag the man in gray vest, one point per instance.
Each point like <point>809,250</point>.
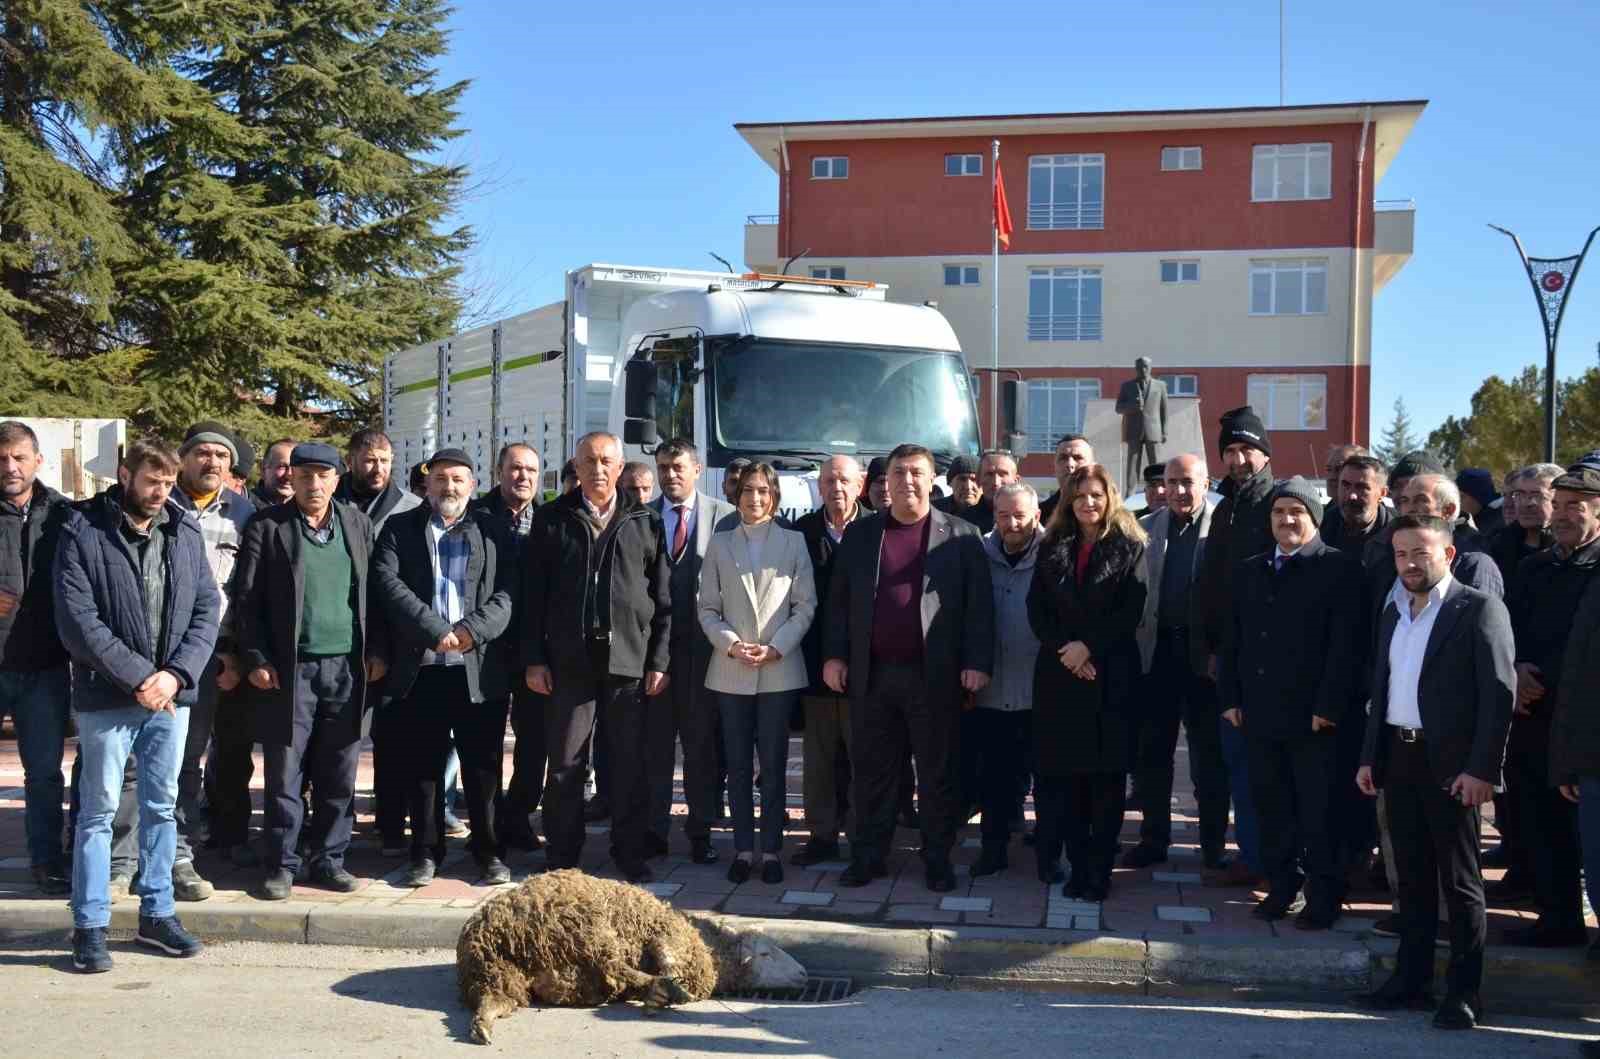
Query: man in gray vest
<point>690,518</point>
<point>1142,404</point>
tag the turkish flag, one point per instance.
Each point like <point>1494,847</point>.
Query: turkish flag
<point>1002,212</point>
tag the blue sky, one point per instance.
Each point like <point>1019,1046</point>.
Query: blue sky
<point>603,132</point>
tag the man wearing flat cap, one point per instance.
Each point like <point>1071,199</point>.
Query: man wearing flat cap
<point>301,623</point>
<point>442,581</point>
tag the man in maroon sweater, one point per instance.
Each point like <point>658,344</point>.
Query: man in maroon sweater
<point>908,633</point>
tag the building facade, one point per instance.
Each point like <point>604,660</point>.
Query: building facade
<point>1240,250</point>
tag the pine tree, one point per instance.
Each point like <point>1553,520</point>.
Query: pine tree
<point>1397,437</point>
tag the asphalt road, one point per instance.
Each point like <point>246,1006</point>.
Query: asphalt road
<point>260,1000</point>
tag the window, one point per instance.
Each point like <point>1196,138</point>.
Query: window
<point>827,272</point>
<point>1180,272</point>
<point>1181,385</point>
<point>961,275</point>
<point>830,168</point>
<point>1180,158</point>
<point>1064,305</point>
<point>1056,407</point>
<point>1285,172</point>
<point>963,165</point>
<point>1288,288</point>
<point>1066,191</point>
<point>1290,402</point>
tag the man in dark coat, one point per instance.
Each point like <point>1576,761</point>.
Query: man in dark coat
<point>1575,738</point>
<point>1441,701</point>
<point>442,597</point>
<point>302,631</point>
<point>274,488</point>
<point>597,626</point>
<point>137,608</point>
<point>1072,451</point>
<point>910,630</point>
<point>34,684</point>
<point>1288,664</point>
<point>368,483</point>
<point>1361,486</point>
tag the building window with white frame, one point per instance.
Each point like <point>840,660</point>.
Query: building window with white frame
<point>827,272</point>
<point>1181,385</point>
<point>1290,402</point>
<point>1180,159</point>
<point>1180,272</point>
<point>1056,407</point>
<point>961,275</point>
<point>1066,191</point>
<point>1290,287</point>
<point>830,167</point>
<point>1289,172</point>
<point>963,165</point>
<point>1064,305</point>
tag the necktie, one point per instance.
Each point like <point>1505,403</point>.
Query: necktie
<point>1278,561</point>
<point>680,534</point>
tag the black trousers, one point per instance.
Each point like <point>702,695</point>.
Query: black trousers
<point>568,732</point>
<point>230,764</point>
<point>895,712</point>
<point>528,758</point>
<point>1354,816</point>
<point>190,810</point>
<point>1080,814</point>
<point>1003,737</point>
<point>1435,841</point>
<point>1174,693</point>
<point>1291,780</point>
<point>439,703</point>
<point>693,721</point>
<point>324,747</point>
<point>1547,827</point>
<point>971,758</point>
<point>628,715</point>
<point>388,785</point>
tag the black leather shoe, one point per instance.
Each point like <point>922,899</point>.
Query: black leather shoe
<point>1541,936</point>
<point>1316,917</point>
<point>1456,1013</point>
<point>1142,856</point>
<point>521,838</point>
<point>493,872</point>
<point>815,853</point>
<point>941,877</point>
<point>990,861</point>
<point>638,874</point>
<point>859,873</point>
<point>772,871</point>
<point>701,851</point>
<point>1276,906</point>
<point>1395,995</point>
<point>334,878</point>
<point>420,875</point>
<point>739,871</point>
<point>277,885</point>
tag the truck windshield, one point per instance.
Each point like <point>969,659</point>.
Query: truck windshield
<point>809,399</point>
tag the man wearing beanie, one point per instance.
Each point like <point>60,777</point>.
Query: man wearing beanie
<point>1238,529</point>
<point>1480,501</point>
<point>1288,674</point>
<point>205,464</point>
<point>970,497</point>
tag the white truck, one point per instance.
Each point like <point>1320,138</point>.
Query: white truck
<point>785,369</point>
<point>80,455</point>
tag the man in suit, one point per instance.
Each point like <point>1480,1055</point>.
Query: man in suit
<point>443,591</point>
<point>1173,691</point>
<point>302,630</point>
<point>1142,404</point>
<point>910,632</point>
<point>1287,669</point>
<point>688,518</point>
<point>1442,691</point>
<point>826,771</point>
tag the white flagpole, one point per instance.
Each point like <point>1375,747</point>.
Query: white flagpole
<point>994,299</point>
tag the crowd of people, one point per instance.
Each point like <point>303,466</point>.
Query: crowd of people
<point>1354,676</point>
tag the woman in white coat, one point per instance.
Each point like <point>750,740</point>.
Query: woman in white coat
<point>757,599</point>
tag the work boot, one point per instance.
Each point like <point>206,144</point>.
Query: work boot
<point>187,884</point>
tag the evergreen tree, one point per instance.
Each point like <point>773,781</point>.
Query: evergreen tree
<point>1397,437</point>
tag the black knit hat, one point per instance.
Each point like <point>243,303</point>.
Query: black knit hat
<point>214,433</point>
<point>1156,472</point>
<point>1243,425</point>
<point>1297,488</point>
<point>246,453</point>
<point>878,468</point>
<point>959,466</point>
<point>1414,463</point>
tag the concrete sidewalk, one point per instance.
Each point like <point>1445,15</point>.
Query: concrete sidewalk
<point>1160,930</point>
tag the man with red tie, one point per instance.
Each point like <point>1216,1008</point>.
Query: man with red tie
<point>690,518</point>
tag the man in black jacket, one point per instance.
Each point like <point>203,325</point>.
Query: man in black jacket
<point>1442,690</point>
<point>443,597</point>
<point>274,487</point>
<point>1575,738</point>
<point>1072,451</point>
<point>910,630</point>
<point>1550,586</point>
<point>301,623</point>
<point>1360,488</point>
<point>1288,663</point>
<point>34,686</point>
<point>597,624</point>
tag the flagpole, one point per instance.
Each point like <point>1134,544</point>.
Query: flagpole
<point>994,300</point>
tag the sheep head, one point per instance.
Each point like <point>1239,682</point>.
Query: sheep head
<point>747,959</point>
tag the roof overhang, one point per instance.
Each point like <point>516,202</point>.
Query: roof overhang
<point>1393,120</point>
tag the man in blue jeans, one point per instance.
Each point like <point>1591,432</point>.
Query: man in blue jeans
<point>33,665</point>
<point>137,608</point>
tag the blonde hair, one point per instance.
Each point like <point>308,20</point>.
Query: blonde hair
<point>1118,520</point>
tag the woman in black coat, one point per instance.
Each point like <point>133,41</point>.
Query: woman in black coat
<point>1085,602</point>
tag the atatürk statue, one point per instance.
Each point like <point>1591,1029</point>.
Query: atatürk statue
<point>1142,404</point>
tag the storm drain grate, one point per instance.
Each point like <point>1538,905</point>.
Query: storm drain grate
<point>815,991</point>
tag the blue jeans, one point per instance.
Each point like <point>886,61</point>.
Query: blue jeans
<point>1245,831</point>
<point>758,724</point>
<point>1589,836</point>
<point>105,739</point>
<point>37,703</point>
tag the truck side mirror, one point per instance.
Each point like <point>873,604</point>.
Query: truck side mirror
<point>1013,406</point>
<point>639,393</point>
<point>640,432</point>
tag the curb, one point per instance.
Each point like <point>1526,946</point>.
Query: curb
<point>1531,981</point>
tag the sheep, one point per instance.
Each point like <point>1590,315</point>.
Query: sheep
<point>569,939</point>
